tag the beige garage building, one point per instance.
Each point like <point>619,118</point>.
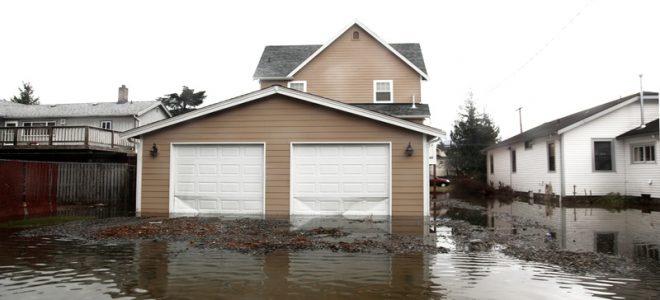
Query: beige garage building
<point>279,151</point>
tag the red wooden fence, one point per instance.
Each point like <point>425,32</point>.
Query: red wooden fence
<point>27,189</point>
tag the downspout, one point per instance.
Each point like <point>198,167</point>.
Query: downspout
<point>562,192</point>
<point>137,121</point>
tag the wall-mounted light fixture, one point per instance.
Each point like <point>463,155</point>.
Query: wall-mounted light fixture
<point>154,150</point>
<point>409,150</point>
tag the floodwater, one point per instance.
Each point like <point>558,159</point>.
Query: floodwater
<point>52,268</point>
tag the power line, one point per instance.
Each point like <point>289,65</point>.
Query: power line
<point>540,50</point>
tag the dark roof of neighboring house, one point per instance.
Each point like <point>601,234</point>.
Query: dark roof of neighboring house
<point>650,128</point>
<point>552,127</point>
<point>279,61</point>
<point>15,110</point>
<point>400,110</point>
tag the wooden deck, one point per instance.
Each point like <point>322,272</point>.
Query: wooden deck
<point>63,137</point>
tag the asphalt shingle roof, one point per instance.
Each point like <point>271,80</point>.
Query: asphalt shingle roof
<point>398,109</point>
<point>650,128</point>
<point>14,110</point>
<point>553,126</point>
<point>279,61</point>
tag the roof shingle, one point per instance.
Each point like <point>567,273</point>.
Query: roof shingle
<point>14,110</point>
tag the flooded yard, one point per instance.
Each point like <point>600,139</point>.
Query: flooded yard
<point>52,267</point>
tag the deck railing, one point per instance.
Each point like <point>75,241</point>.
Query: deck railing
<point>62,136</point>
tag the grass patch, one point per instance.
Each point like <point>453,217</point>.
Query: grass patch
<point>41,221</point>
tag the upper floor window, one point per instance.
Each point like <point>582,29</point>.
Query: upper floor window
<point>603,155</point>
<point>300,85</point>
<point>383,91</point>
<point>643,153</point>
<point>106,125</point>
<point>356,35</point>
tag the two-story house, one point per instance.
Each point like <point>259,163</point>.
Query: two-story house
<point>335,129</point>
<point>74,131</point>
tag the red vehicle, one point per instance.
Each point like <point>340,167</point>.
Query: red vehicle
<point>439,181</point>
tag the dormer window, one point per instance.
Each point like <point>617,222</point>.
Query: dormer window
<point>383,91</point>
<point>300,85</point>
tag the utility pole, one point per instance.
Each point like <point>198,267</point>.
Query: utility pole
<point>519,109</point>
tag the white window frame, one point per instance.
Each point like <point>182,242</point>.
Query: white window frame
<point>643,146</point>
<point>8,123</point>
<point>554,156</point>
<point>612,154</point>
<point>304,83</point>
<point>391,82</point>
<point>106,122</point>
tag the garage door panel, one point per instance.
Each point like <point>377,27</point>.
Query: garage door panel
<point>332,179</point>
<point>225,179</point>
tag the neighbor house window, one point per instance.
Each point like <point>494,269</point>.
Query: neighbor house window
<point>106,125</point>
<point>300,85</point>
<point>603,156</point>
<point>383,91</point>
<point>492,165</point>
<point>37,131</point>
<point>551,157</point>
<point>513,161</point>
<point>643,153</point>
<point>528,145</point>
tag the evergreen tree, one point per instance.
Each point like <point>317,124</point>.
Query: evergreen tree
<point>182,103</point>
<point>26,95</point>
<point>473,131</point>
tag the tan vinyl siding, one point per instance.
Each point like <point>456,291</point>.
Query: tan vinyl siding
<point>277,121</point>
<point>346,69</point>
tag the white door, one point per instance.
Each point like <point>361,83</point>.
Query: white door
<point>218,179</point>
<point>340,179</point>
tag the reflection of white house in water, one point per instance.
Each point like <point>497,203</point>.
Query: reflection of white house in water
<point>630,233</point>
<point>607,148</point>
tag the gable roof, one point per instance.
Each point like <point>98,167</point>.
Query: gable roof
<point>106,109</point>
<point>282,62</point>
<point>650,128</point>
<point>570,121</point>
<point>276,89</point>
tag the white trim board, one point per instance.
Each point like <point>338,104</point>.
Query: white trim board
<point>376,37</point>
<point>285,92</point>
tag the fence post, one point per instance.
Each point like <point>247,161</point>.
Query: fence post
<point>50,136</point>
<point>87,136</point>
<point>112,139</point>
<point>15,136</point>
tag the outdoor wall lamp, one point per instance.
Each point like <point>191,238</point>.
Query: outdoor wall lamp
<point>154,150</point>
<point>409,150</point>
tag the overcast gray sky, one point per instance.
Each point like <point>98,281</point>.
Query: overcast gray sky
<point>550,57</point>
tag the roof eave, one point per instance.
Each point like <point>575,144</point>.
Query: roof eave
<point>290,93</point>
<point>272,78</point>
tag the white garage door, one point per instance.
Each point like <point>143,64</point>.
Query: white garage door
<point>226,179</point>
<point>340,179</point>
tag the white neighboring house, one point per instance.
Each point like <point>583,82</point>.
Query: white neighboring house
<point>608,148</point>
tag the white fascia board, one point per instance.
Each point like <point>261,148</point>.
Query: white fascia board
<point>381,41</point>
<point>272,78</point>
<point>598,115</point>
<point>290,93</point>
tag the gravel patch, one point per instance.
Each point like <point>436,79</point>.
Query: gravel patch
<point>243,235</point>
